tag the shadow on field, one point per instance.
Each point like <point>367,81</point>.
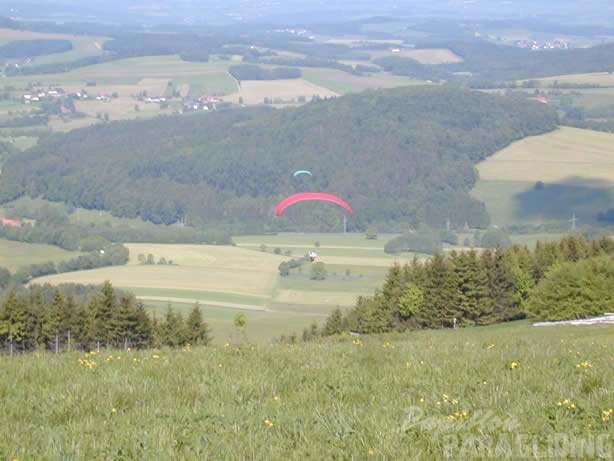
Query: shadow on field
<point>581,197</point>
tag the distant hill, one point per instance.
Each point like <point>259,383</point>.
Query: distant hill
<point>400,157</point>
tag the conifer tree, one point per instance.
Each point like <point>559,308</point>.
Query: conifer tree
<point>439,294</point>
<point>13,320</point>
<point>471,294</point>
<point>197,330</point>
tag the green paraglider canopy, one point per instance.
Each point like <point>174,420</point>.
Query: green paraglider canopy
<point>297,172</point>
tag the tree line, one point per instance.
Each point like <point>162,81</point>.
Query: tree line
<point>255,72</point>
<point>32,319</point>
<point>35,47</point>
<point>566,279</point>
<point>60,225</point>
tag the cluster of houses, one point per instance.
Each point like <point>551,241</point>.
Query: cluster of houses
<point>52,93</point>
<point>42,95</point>
<point>536,46</point>
<point>205,102</point>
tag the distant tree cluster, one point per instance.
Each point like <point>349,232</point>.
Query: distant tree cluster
<point>30,322</point>
<point>570,278</point>
<point>113,255</point>
<point>37,47</point>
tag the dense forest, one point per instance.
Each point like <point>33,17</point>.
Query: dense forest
<point>567,279</point>
<point>403,156</point>
<point>90,318</point>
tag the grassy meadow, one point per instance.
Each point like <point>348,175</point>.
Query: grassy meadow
<point>567,154</point>
<point>508,391</point>
<point>14,255</point>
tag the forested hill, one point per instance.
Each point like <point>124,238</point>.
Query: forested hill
<point>404,155</point>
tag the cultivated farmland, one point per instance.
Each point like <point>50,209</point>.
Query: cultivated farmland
<point>14,255</point>
<point>569,155</point>
<point>225,279</point>
<point>279,91</point>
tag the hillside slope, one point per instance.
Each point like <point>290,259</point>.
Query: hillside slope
<point>404,155</point>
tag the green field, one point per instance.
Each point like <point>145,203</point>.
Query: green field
<point>569,155</point>
<point>82,45</point>
<point>14,255</point>
<point>20,142</point>
<point>342,82</point>
<point>575,168</point>
<point>224,280</point>
<point>509,391</point>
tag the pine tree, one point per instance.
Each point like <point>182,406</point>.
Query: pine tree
<point>35,318</point>
<point>502,285</point>
<point>439,294</point>
<point>471,283</point>
<point>173,329</point>
<point>13,320</point>
<point>53,319</point>
<point>197,330</point>
<point>144,331</point>
<point>334,322</point>
<point>104,307</point>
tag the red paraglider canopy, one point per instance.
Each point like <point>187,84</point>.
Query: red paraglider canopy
<point>285,203</point>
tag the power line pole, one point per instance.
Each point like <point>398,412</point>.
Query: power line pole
<point>573,221</point>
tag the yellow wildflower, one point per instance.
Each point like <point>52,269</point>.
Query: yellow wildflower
<point>458,415</point>
<point>513,365</point>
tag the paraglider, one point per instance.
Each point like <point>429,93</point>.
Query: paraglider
<point>285,203</point>
<point>299,172</point>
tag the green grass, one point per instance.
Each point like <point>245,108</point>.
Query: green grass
<point>83,47</point>
<point>393,397</point>
<point>308,241</point>
<point>342,82</point>
<point>14,255</point>
<point>20,142</point>
<point>499,198</point>
<point>122,71</point>
<point>212,83</point>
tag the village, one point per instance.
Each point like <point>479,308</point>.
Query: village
<point>51,94</point>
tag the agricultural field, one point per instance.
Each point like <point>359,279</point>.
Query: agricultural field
<point>20,142</point>
<point>422,55</point>
<point>552,176</point>
<point>14,255</point>
<point>508,391</point>
<point>288,91</point>
<point>342,82</point>
<point>153,76</point>
<point>225,280</point>
<point>604,79</point>
<point>569,155</point>
<point>82,45</point>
